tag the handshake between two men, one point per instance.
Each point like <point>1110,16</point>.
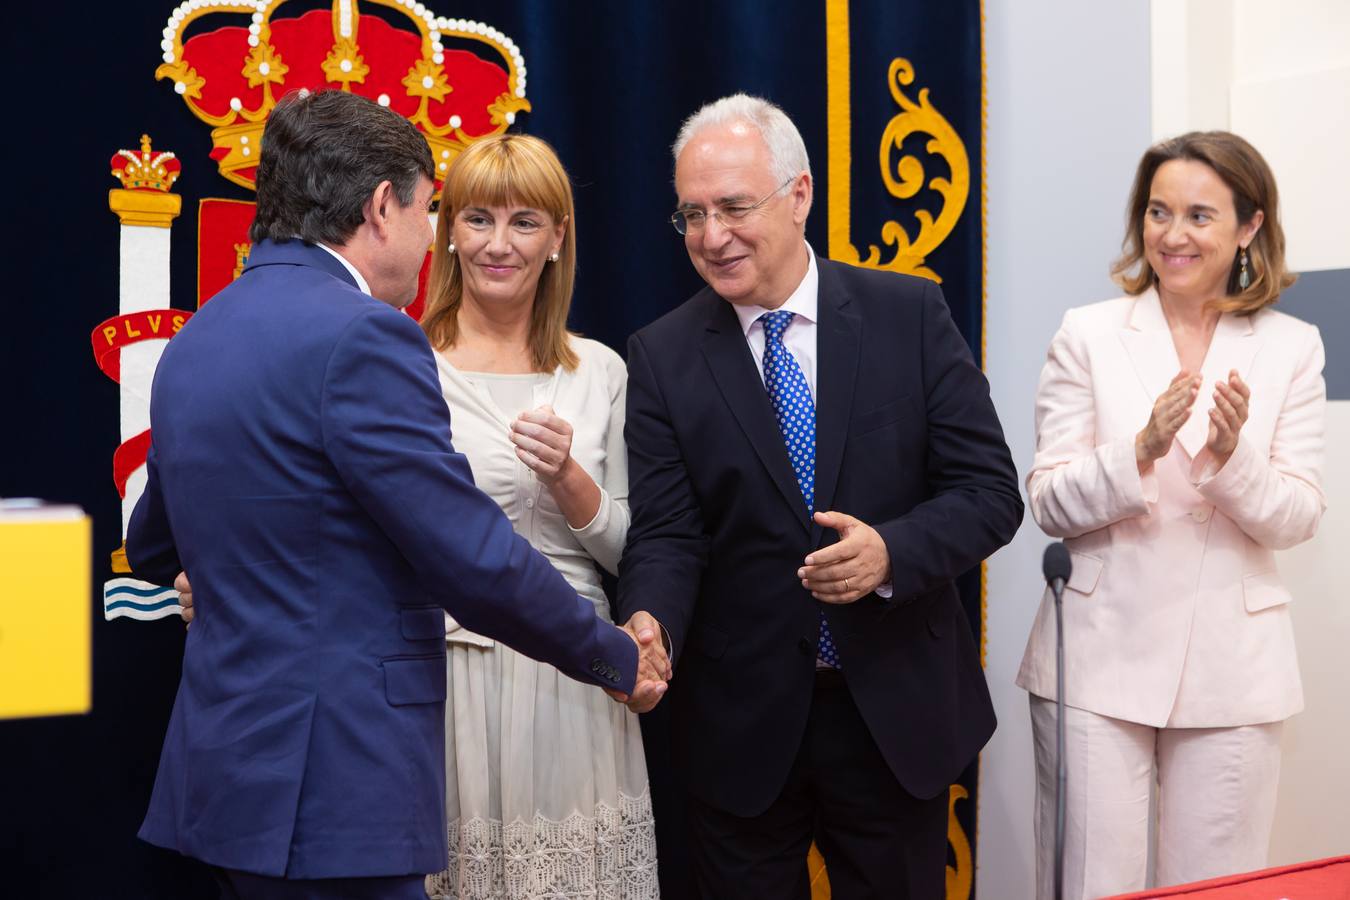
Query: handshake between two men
<point>654,668</point>
<point>653,671</point>
<point>841,573</point>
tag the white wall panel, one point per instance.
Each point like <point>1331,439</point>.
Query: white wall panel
<point>1312,818</point>
<point>1301,125</point>
<point>1068,119</point>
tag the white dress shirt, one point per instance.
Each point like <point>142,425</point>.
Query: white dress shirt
<point>360,281</point>
<point>799,338</point>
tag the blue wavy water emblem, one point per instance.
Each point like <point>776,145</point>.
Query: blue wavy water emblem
<point>138,600</point>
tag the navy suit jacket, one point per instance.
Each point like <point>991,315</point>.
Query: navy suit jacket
<point>302,474</point>
<point>907,441</point>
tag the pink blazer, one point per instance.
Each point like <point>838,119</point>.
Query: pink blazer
<point>1175,615</point>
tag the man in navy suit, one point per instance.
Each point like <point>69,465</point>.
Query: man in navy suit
<point>302,475</point>
<point>813,458</point>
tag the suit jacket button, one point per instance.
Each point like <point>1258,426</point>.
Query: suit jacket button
<point>597,666</point>
<point>805,647</point>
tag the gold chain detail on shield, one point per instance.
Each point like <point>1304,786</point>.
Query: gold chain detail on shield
<point>907,176</point>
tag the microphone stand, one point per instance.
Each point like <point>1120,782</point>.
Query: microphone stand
<point>1061,767</point>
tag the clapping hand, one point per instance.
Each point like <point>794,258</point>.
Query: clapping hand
<point>1227,417</point>
<point>1170,412</point>
<point>849,569</point>
<point>654,668</point>
<point>184,589</point>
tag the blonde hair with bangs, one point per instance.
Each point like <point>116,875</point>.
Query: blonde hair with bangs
<point>507,170</point>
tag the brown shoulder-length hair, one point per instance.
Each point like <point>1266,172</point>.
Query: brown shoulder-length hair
<point>1242,168</point>
<point>507,170</point>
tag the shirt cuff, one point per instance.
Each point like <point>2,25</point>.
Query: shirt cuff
<point>1149,483</point>
<point>1124,457</point>
<point>598,523</point>
<point>886,591</point>
<point>1217,483</point>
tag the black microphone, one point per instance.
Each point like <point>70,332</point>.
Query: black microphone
<point>1057,566</point>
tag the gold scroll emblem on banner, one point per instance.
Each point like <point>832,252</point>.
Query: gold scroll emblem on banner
<point>903,177</point>
<point>907,253</point>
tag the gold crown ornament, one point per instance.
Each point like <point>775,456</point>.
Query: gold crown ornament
<point>232,77</point>
<point>147,178</point>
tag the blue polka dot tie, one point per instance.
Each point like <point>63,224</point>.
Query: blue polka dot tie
<point>796,412</point>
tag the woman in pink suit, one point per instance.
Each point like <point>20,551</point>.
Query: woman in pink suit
<point>1179,443</point>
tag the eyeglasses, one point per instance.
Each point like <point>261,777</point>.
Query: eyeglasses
<point>731,215</point>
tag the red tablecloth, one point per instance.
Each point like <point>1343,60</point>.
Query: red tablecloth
<point>1323,879</point>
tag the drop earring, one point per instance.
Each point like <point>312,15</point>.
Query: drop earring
<point>1244,278</point>
<point>451,247</point>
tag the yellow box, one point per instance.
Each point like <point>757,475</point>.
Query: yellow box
<point>45,614</point>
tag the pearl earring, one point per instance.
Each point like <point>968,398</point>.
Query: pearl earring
<point>1244,278</point>
<point>451,247</point>
<point>553,257</point>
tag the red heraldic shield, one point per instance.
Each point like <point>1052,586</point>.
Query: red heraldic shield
<point>223,245</point>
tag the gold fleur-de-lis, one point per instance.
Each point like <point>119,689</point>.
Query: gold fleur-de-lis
<point>264,66</point>
<point>344,64</point>
<point>186,81</point>
<point>502,111</point>
<point>427,79</point>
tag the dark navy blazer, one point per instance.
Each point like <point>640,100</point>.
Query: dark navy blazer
<point>907,440</point>
<point>302,474</point>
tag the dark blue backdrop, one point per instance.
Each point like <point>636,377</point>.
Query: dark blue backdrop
<point>609,83</point>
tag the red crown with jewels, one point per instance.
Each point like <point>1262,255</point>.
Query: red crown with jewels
<point>232,77</point>
<point>145,171</point>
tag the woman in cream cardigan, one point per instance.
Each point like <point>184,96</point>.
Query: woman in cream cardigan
<point>546,782</point>
<point>1179,443</point>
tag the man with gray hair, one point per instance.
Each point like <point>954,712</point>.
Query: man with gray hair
<point>813,458</point>
<point>303,477</point>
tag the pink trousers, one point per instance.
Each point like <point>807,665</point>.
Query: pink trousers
<point>1216,801</point>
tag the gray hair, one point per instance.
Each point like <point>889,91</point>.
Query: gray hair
<point>787,151</point>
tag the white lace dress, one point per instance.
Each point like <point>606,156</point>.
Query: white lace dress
<point>547,792</point>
